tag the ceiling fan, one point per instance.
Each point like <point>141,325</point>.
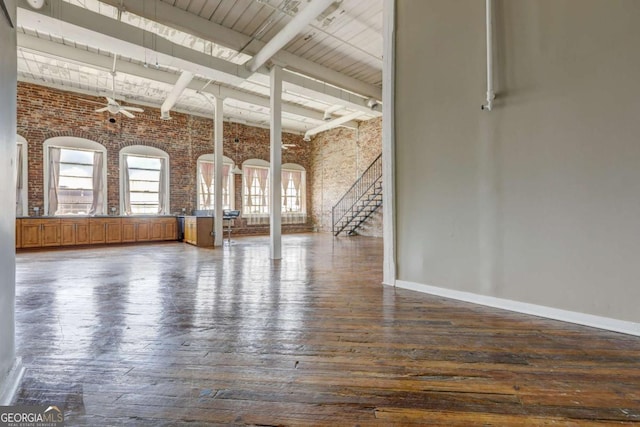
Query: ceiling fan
<point>112,105</point>
<point>287,146</point>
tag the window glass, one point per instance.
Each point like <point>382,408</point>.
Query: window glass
<point>256,194</point>
<point>75,182</point>
<point>144,183</point>
<point>206,185</point>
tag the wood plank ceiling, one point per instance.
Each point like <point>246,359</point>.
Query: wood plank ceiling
<point>344,41</point>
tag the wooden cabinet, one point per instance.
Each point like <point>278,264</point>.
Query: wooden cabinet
<point>169,228</point>
<point>74,231</point>
<point>31,233</point>
<point>39,232</point>
<point>137,229</point>
<point>128,230</point>
<point>190,230</point>
<point>18,233</point>
<point>198,230</point>
<point>69,231</point>
<point>105,230</point>
<point>155,229</point>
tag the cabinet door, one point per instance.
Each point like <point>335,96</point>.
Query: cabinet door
<point>67,232</point>
<point>142,230</point>
<point>18,233</point>
<point>128,230</point>
<point>170,230</point>
<point>97,231</point>
<point>51,232</point>
<point>113,231</point>
<point>204,232</point>
<point>190,231</point>
<point>155,228</point>
<point>82,232</point>
<point>31,233</point>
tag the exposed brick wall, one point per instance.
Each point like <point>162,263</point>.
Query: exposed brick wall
<point>338,158</point>
<point>44,113</point>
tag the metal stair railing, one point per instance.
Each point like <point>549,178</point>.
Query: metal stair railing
<point>347,208</point>
<point>366,209</point>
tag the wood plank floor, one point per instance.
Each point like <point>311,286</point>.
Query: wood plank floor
<point>173,335</point>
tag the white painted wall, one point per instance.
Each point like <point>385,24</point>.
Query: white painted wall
<point>539,200</point>
<point>7,195</point>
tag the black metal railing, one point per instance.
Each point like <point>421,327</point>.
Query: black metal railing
<point>354,201</point>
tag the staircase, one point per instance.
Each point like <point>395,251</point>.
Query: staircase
<point>360,201</point>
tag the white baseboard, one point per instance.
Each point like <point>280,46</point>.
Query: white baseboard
<point>10,385</point>
<point>607,323</point>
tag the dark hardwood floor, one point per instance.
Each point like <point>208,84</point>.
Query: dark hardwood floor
<point>173,335</point>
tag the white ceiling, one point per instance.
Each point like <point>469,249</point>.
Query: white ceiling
<point>335,61</point>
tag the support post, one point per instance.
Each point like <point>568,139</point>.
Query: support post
<point>275,172</point>
<point>217,167</point>
<point>389,266</point>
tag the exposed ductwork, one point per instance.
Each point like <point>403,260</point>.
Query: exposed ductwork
<point>292,29</point>
<point>332,124</point>
<point>182,83</point>
<point>328,113</point>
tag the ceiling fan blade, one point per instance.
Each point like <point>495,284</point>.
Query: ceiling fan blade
<point>126,113</point>
<point>101,110</point>
<point>136,109</point>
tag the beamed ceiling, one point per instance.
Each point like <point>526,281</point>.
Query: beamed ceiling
<point>333,67</point>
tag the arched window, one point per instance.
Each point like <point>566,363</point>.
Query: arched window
<point>75,176</point>
<point>22,177</point>
<point>206,180</point>
<point>144,181</point>
<point>255,192</point>
<point>294,195</point>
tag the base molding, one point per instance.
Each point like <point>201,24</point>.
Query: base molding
<point>10,385</point>
<point>615,325</point>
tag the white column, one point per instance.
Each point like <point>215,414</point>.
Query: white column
<point>389,272</point>
<point>275,172</point>
<point>217,165</point>
<point>11,369</point>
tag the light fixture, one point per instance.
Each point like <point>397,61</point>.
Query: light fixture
<point>36,4</point>
<point>236,170</point>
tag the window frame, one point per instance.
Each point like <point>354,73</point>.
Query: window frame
<point>258,164</point>
<point>294,167</point>
<point>72,143</point>
<point>226,161</point>
<point>298,217</point>
<point>24,148</point>
<point>144,151</point>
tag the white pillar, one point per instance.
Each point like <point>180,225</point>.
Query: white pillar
<point>389,266</point>
<point>11,368</point>
<point>217,166</point>
<point>275,172</point>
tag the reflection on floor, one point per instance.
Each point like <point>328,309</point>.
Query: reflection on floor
<point>170,334</point>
